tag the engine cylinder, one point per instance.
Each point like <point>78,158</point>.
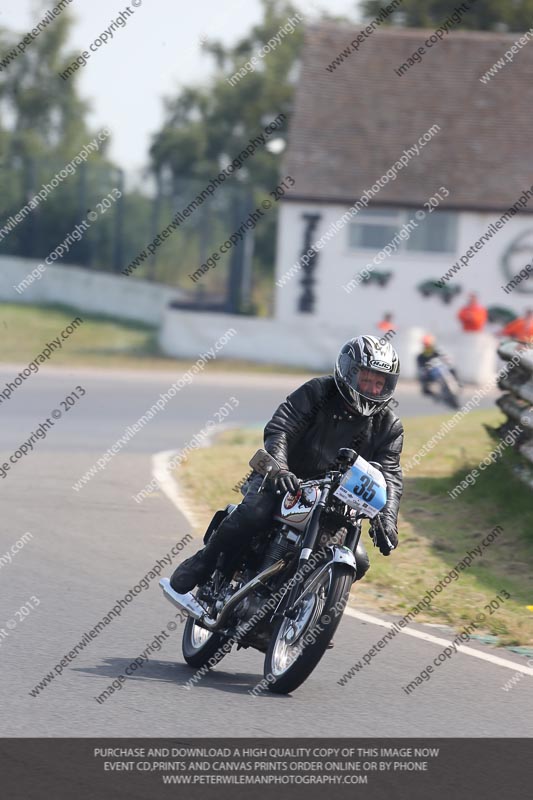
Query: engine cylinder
<point>277,549</point>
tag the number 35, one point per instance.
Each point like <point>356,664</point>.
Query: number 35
<point>366,490</point>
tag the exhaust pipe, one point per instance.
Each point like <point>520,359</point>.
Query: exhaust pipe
<point>185,602</point>
<point>189,604</point>
<point>241,594</point>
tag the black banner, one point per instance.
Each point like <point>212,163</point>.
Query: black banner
<point>131,769</point>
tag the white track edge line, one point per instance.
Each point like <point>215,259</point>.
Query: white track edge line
<point>170,485</point>
<point>428,637</point>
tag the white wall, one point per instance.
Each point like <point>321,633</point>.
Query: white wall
<point>302,343</point>
<point>364,306</point>
<point>87,290</point>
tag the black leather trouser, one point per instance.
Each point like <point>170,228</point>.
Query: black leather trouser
<point>254,514</point>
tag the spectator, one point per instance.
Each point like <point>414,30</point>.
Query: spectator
<point>387,323</point>
<point>473,316</point>
<point>520,329</point>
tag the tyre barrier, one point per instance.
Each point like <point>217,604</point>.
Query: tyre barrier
<point>517,404</point>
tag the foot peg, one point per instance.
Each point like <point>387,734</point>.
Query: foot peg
<point>185,602</point>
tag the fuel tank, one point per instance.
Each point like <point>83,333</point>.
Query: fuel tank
<point>296,509</point>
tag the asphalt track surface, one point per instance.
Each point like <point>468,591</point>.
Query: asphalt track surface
<point>90,547</point>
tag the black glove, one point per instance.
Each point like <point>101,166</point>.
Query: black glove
<point>286,481</point>
<point>384,535</point>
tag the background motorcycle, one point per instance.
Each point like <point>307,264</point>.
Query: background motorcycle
<point>447,386</point>
<point>286,594</point>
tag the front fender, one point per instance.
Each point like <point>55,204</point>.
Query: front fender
<point>343,555</point>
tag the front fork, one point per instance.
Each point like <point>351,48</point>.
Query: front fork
<point>354,534</point>
<point>311,536</point>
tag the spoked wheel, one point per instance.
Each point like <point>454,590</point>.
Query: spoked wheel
<point>450,397</point>
<point>199,645</point>
<point>298,644</point>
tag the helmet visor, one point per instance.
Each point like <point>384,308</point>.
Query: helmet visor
<point>372,384</point>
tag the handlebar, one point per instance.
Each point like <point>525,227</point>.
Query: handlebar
<point>320,483</point>
<point>380,538</point>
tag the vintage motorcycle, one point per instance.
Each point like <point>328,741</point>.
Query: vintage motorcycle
<point>445,386</point>
<point>285,595</point>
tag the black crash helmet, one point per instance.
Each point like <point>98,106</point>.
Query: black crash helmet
<point>366,373</point>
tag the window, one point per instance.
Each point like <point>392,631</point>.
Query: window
<point>375,228</point>
<point>437,233</point>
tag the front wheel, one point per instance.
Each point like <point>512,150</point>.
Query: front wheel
<point>297,645</point>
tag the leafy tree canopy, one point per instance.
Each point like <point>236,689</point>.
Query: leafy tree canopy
<point>484,15</point>
<point>208,126</point>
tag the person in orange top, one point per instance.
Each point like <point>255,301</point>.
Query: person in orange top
<point>473,316</point>
<point>387,323</point>
<point>521,328</point>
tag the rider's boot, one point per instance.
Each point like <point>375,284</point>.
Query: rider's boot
<point>196,569</point>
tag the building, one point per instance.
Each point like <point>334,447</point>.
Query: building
<point>432,162</point>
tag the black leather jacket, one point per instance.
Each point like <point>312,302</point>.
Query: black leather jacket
<point>307,430</point>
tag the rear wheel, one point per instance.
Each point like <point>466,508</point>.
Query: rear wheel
<point>200,646</point>
<point>297,645</point>
<point>449,396</point>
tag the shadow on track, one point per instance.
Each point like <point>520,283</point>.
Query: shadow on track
<point>177,673</point>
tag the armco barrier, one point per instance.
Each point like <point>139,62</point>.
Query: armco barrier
<point>517,402</point>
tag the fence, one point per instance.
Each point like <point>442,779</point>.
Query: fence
<point>35,234</point>
<point>517,403</point>
<point>121,236</point>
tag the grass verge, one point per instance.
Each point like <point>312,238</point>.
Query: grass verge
<point>100,342</point>
<point>436,531</point>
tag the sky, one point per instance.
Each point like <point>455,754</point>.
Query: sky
<point>152,56</point>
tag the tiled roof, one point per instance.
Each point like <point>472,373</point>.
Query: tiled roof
<point>350,125</point>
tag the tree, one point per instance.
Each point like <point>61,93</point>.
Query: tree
<point>47,117</point>
<point>42,128</point>
<point>484,15</point>
<point>205,128</point>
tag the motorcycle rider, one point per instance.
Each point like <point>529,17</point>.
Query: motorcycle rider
<point>347,409</point>
<point>430,351</point>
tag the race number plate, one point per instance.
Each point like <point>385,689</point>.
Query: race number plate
<point>363,487</point>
